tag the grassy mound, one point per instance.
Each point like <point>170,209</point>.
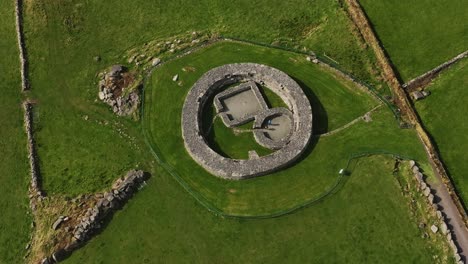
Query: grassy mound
<point>444,115</point>
<point>419,35</point>
<point>334,104</point>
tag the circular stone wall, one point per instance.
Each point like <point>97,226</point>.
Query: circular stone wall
<point>235,169</point>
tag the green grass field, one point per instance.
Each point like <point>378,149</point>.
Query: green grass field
<point>14,167</point>
<point>367,221</point>
<point>334,104</point>
<point>419,35</point>
<point>444,115</point>
<point>63,37</point>
<point>83,147</point>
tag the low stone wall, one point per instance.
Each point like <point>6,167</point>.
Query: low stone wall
<point>94,218</point>
<point>35,189</point>
<point>21,45</point>
<point>427,77</point>
<point>233,169</point>
<point>443,226</point>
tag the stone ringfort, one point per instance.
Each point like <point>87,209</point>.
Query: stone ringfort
<point>297,119</point>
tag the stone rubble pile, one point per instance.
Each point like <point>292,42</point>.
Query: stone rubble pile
<point>121,191</point>
<point>112,91</point>
<point>443,227</point>
<point>92,219</point>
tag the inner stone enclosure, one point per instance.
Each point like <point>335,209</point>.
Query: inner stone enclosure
<point>244,103</point>
<point>284,129</point>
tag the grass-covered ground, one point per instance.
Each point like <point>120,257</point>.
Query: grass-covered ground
<point>14,166</point>
<point>63,37</point>
<point>83,147</point>
<point>367,221</point>
<point>334,104</point>
<point>444,114</point>
<point>419,35</point>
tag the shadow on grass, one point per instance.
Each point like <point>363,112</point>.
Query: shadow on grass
<point>319,122</point>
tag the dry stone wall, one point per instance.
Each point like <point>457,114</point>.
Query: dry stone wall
<point>427,77</point>
<point>35,189</point>
<point>21,44</point>
<point>91,220</point>
<point>443,226</point>
<point>234,169</point>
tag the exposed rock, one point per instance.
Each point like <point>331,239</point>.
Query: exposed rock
<point>434,229</point>
<point>417,95</point>
<point>443,228</point>
<point>45,261</point>
<point>415,169</point>
<point>155,62</point>
<point>316,61</point>
<point>427,191</point>
<point>439,214</point>
<point>453,246</point>
<point>59,255</point>
<point>457,257</point>
<point>423,185</point>
<point>430,198</point>
<point>97,59</point>
<point>57,223</point>
<point>175,78</point>
<point>419,176</point>
<point>412,163</point>
<point>112,85</point>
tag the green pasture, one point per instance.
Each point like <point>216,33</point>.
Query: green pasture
<point>367,221</point>
<point>419,35</point>
<point>444,115</point>
<point>14,166</point>
<point>334,104</point>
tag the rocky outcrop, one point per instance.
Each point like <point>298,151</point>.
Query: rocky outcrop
<point>117,88</point>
